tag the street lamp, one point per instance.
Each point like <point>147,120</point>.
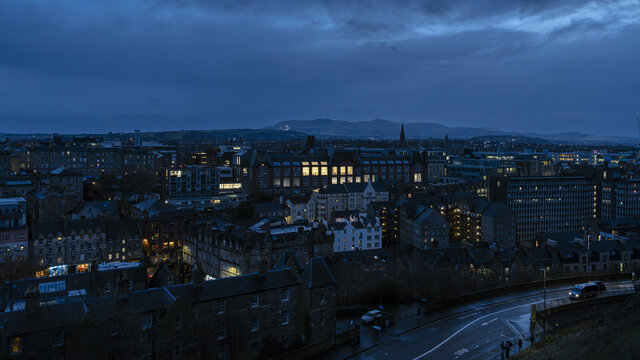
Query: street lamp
<point>588,256</point>
<point>544,270</point>
<point>544,284</point>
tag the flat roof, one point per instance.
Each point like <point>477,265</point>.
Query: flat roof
<point>12,201</point>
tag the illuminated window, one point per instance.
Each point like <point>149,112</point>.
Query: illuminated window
<point>324,171</point>
<point>315,171</point>
<point>334,170</point>
<point>230,186</point>
<point>305,171</point>
<point>343,170</point>
<point>349,170</point>
<point>15,345</point>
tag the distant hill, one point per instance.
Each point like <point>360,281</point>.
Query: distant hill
<point>180,135</point>
<point>372,129</point>
<point>384,129</point>
<point>204,135</point>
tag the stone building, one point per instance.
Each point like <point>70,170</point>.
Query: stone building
<point>255,316</point>
<point>232,250</point>
<point>422,227</point>
<point>77,243</point>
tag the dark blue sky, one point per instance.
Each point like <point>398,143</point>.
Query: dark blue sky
<point>107,65</point>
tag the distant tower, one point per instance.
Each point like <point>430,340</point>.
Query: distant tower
<point>446,142</point>
<point>403,139</point>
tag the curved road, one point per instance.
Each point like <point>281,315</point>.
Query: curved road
<point>471,331</point>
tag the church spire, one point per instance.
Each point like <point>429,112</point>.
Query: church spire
<point>403,140</point>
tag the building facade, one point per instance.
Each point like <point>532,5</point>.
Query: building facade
<point>256,316</point>
<point>330,199</point>
<point>287,173</point>
<point>14,234</point>
<point>355,233</point>
<point>231,250</point>
<point>75,244</point>
<point>422,227</point>
<point>546,204</point>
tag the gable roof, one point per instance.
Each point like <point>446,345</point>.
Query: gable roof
<point>317,274</point>
<point>289,259</point>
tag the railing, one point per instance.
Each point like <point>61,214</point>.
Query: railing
<point>564,300</point>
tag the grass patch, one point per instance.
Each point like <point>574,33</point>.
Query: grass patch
<point>615,335</point>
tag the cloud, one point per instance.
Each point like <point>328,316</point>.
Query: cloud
<point>515,65</point>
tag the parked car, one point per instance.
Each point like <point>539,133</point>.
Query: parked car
<point>583,291</point>
<point>370,316</point>
<point>601,285</point>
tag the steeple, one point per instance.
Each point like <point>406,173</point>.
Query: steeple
<point>403,140</point>
<point>446,142</point>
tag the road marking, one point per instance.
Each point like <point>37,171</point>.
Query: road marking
<point>466,326</point>
<point>468,316</point>
<point>473,322</point>
<point>461,352</point>
<point>512,327</point>
<point>522,298</point>
<point>489,322</point>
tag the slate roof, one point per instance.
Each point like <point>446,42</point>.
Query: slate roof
<point>299,199</point>
<point>268,207</point>
<point>317,274</point>
<point>494,209</point>
<point>102,206</point>
<point>337,225</point>
<point>333,189</point>
<point>125,227</point>
<point>13,292</point>
<point>289,259</point>
<point>234,286</point>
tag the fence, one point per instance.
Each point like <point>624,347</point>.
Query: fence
<point>551,304</point>
<point>565,300</point>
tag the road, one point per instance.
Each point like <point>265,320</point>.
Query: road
<point>472,331</point>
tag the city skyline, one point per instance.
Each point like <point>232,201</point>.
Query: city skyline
<point>524,67</point>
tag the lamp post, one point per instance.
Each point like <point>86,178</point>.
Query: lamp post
<point>544,284</point>
<point>588,256</point>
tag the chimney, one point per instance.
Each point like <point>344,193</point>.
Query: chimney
<point>197,276</point>
<point>263,266</point>
<point>122,287</point>
<point>32,300</point>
